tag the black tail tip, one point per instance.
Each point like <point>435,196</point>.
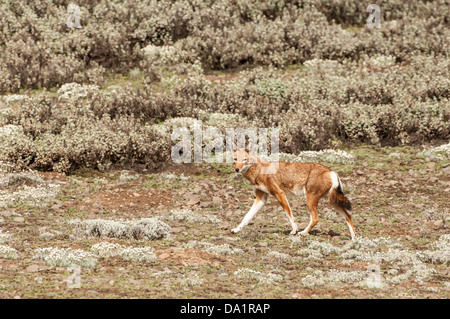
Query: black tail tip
<point>349,206</point>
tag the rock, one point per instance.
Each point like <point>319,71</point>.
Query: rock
<point>134,282</point>
<point>432,159</point>
<point>193,200</point>
<point>431,165</point>
<point>177,229</point>
<point>6,213</point>
<point>434,179</point>
<point>438,224</point>
<point>205,204</point>
<point>19,219</point>
<point>356,292</point>
<point>32,268</point>
<point>446,170</point>
<point>164,256</point>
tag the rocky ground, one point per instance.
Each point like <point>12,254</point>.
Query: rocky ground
<point>166,234</point>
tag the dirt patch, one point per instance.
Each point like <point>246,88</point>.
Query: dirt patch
<point>187,170</point>
<point>53,176</point>
<point>123,198</point>
<point>189,256</point>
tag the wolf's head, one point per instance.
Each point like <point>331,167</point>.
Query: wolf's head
<point>242,160</point>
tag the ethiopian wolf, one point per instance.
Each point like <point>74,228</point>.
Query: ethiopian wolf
<point>312,180</point>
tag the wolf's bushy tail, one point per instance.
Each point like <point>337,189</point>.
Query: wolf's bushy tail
<point>336,195</point>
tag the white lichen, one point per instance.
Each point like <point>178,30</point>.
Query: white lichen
<point>74,91</point>
<point>4,237</point>
<point>139,254</point>
<point>191,217</point>
<point>223,249</point>
<point>246,273</point>
<point>143,229</point>
<point>8,252</point>
<point>62,257</point>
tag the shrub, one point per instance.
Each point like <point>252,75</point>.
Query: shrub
<point>189,36</point>
<point>342,81</point>
<point>192,217</point>
<point>107,250</point>
<point>245,273</point>
<point>61,257</point>
<point>8,252</point>
<point>223,249</point>
<point>143,229</point>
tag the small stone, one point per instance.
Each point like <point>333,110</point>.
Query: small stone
<point>193,200</point>
<point>177,229</point>
<point>33,268</point>
<point>356,292</point>
<point>446,170</point>
<point>164,256</point>
<point>438,224</point>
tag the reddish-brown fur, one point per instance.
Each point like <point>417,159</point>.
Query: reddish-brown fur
<point>280,178</point>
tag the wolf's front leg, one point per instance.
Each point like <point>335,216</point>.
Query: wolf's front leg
<point>259,202</point>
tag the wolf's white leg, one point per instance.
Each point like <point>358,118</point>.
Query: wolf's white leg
<point>259,202</point>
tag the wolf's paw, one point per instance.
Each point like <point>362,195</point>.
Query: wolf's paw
<point>303,233</point>
<point>235,230</point>
<point>293,232</point>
